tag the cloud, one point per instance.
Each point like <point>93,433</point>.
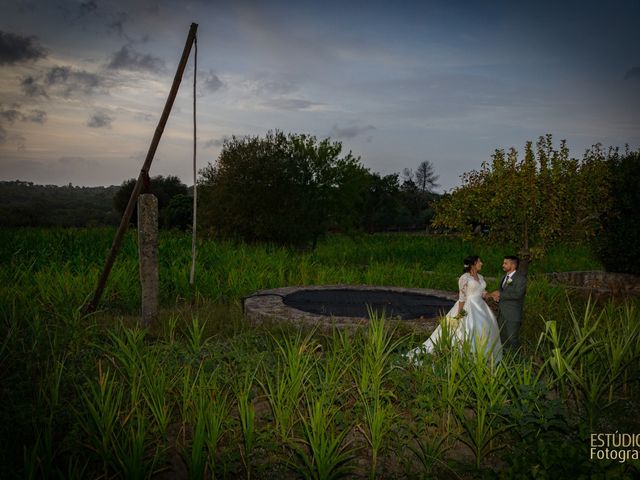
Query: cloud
<point>63,81</point>
<point>36,116</point>
<point>17,48</point>
<point>100,120</point>
<point>349,132</point>
<point>32,88</point>
<point>88,7</point>
<point>145,117</point>
<point>274,88</point>
<point>632,74</point>
<point>214,142</point>
<point>117,23</point>
<point>71,81</point>
<point>290,103</point>
<point>10,115</point>
<point>13,115</point>
<point>71,161</point>
<point>128,59</point>
<point>212,82</point>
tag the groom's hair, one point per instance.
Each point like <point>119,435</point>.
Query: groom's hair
<point>513,258</point>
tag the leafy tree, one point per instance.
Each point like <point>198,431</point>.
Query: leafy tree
<point>617,245</point>
<point>384,207</point>
<point>179,212</point>
<point>531,202</point>
<point>288,189</point>
<point>164,188</point>
<point>391,205</point>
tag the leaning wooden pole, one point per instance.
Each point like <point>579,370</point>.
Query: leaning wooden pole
<point>144,172</point>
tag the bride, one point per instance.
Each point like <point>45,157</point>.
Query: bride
<point>470,319</point>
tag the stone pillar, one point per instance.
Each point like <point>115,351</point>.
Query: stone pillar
<point>148,253</point>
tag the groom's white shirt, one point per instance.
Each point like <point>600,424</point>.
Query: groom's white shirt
<point>507,277</point>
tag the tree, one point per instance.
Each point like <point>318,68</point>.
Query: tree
<point>287,189</point>
<point>532,202</point>
<point>417,201</point>
<point>383,207</point>
<point>425,177</point>
<point>29,204</point>
<point>164,188</point>
<point>179,212</point>
<point>618,242</point>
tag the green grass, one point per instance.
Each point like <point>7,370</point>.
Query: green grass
<point>206,394</point>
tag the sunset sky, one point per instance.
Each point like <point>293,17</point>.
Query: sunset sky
<point>83,83</point>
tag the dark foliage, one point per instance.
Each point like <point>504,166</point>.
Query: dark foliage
<point>391,205</point>
<point>179,212</point>
<point>618,243</point>
<point>164,188</point>
<point>25,204</point>
<point>287,189</point>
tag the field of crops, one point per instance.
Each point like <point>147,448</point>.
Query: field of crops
<point>202,394</point>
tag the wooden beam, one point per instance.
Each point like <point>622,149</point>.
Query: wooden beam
<point>124,223</point>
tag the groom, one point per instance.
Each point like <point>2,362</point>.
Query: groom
<point>510,298</point>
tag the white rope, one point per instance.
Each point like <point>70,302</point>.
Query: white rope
<point>195,192</point>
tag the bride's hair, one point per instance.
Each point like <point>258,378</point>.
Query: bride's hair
<point>469,262</point>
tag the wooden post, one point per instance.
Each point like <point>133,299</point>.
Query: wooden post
<point>124,223</point>
<point>148,253</point>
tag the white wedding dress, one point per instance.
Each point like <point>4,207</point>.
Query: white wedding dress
<point>479,326</point>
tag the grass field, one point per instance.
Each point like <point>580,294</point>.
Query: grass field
<point>203,394</point>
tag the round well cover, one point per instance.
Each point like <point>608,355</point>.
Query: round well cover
<point>356,303</point>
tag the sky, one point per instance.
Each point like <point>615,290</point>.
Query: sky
<point>83,83</point>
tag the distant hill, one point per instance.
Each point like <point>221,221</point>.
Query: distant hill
<point>28,204</point>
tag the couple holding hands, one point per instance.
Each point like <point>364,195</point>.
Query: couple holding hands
<point>475,321</point>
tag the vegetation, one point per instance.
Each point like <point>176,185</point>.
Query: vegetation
<point>617,245</point>
<point>425,177</point>
<point>174,208</point>
<point>288,189</point>
<point>293,189</point>
<point>206,394</point>
<point>391,204</point>
<point>543,198</point>
<point>203,394</point>
<point>27,205</point>
<point>285,189</point>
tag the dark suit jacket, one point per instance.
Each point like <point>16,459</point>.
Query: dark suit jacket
<point>512,298</point>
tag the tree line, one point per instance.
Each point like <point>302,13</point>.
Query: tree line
<point>292,189</point>
<point>288,189</point>
<point>25,204</point>
<point>547,196</point>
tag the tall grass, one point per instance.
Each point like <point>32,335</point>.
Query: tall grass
<point>322,451</point>
<point>285,386</point>
<point>63,265</point>
<point>99,397</point>
<point>593,360</point>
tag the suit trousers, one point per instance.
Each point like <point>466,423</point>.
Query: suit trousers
<point>509,332</point>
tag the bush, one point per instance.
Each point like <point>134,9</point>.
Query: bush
<point>179,212</point>
<point>620,237</point>
<point>287,189</point>
<point>164,188</point>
